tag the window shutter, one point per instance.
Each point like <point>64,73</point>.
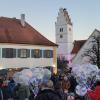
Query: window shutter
<point>40,53</point>
<point>28,53</point>
<point>3,52</point>
<point>14,53</point>
<point>32,53</point>
<point>51,54</point>
<point>19,53</point>
<point>44,54</point>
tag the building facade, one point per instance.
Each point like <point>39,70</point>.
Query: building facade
<point>64,33</point>
<point>87,45</point>
<point>23,46</point>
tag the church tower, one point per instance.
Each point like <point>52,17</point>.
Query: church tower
<point>64,34</point>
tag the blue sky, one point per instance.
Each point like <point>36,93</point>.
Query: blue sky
<point>41,14</point>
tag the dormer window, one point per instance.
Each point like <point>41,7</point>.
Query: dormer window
<point>61,29</point>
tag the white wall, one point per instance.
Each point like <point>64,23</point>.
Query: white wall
<point>66,42</point>
<point>78,59</point>
<point>25,62</point>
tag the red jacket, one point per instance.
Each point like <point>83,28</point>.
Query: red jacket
<point>95,95</point>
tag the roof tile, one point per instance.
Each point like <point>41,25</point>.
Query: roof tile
<point>11,31</point>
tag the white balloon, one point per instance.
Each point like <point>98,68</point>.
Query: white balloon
<point>34,75</point>
<point>23,80</point>
<point>16,76</point>
<point>27,72</point>
<point>81,90</point>
<point>85,72</point>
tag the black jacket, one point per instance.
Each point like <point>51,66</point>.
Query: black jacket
<point>47,94</point>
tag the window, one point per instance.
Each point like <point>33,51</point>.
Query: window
<point>23,53</point>
<point>61,29</point>
<point>48,54</point>
<point>61,36</point>
<point>36,53</point>
<point>69,29</point>
<point>8,53</point>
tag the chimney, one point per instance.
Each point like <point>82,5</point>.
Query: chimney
<point>23,20</point>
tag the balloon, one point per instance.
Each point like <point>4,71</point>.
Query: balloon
<point>23,80</point>
<point>27,72</point>
<point>81,90</point>
<point>16,77</point>
<point>98,75</point>
<point>34,76</point>
<point>85,74</point>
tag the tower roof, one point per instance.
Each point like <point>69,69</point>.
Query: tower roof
<point>66,15</point>
<point>11,31</point>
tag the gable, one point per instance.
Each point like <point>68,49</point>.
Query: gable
<point>78,58</point>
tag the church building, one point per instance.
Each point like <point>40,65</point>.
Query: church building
<point>64,34</point>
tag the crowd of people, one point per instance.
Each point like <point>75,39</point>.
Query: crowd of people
<point>58,87</point>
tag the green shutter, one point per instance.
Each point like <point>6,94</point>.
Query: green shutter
<point>3,52</point>
<point>51,54</point>
<point>44,53</point>
<point>32,53</point>
<point>40,53</point>
<point>28,53</point>
<point>14,53</point>
<point>19,53</point>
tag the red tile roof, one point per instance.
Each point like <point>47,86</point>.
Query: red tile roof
<point>11,31</point>
<point>77,46</point>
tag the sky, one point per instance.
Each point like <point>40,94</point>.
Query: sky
<point>42,14</point>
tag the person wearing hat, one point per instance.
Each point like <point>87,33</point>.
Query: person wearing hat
<point>47,92</point>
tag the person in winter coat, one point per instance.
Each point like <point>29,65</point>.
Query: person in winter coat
<point>23,92</point>
<point>65,84</point>
<point>59,91</point>
<point>73,84</point>
<point>55,79</point>
<point>5,90</point>
<point>1,94</point>
<point>47,92</point>
<point>95,95</point>
<point>11,86</point>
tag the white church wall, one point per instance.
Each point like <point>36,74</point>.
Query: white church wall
<point>64,38</point>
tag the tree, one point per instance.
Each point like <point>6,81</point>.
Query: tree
<point>62,64</point>
<point>94,51</point>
